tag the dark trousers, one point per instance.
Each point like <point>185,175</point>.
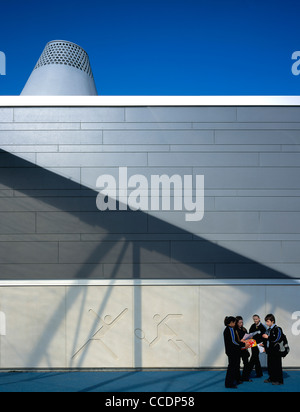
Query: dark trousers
<point>255,362</point>
<point>275,367</point>
<point>233,370</point>
<point>245,356</point>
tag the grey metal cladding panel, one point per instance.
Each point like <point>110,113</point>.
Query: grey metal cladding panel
<point>246,126</point>
<point>46,137</point>
<point>17,222</point>
<point>114,252</point>
<point>247,270</point>
<point>92,222</point>
<point>268,114</point>
<point>259,251</point>
<point>250,177</point>
<point>28,252</point>
<point>221,222</point>
<point>48,203</point>
<point>262,202</point>
<point>133,148</point>
<point>25,177</point>
<point>291,270</point>
<point>91,159</point>
<point>16,271</point>
<point>180,114</point>
<point>69,114</point>
<point>290,251</point>
<point>203,159</point>
<point>7,161</point>
<point>138,126</point>
<point>280,222</point>
<point>257,137</point>
<point>158,137</point>
<point>22,149</point>
<point>6,115</point>
<point>290,148</point>
<point>39,126</point>
<point>280,159</point>
<point>226,251</point>
<point>223,148</point>
<point>159,271</point>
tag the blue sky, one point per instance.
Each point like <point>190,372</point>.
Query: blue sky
<point>160,47</point>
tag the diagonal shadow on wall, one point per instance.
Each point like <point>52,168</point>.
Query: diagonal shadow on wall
<point>39,204</point>
<point>51,229</point>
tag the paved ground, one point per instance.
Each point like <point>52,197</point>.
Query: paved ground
<point>137,381</point>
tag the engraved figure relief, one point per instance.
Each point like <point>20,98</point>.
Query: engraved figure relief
<point>164,331</point>
<point>107,323</point>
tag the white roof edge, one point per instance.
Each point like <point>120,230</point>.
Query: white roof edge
<point>105,101</point>
<point>152,282</point>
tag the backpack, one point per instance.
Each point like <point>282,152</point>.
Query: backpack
<point>282,346</point>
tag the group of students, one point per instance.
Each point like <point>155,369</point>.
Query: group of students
<point>237,349</point>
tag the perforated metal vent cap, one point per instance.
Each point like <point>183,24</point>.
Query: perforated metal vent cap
<point>66,53</point>
<point>63,69</point>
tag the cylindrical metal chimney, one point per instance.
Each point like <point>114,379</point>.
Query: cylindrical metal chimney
<point>62,70</point>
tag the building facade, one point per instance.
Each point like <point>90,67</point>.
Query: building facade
<point>124,288</point>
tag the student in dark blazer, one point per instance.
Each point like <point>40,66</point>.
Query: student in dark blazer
<point>233,351</point>
<point>257,326</point>
<point>273,335</point>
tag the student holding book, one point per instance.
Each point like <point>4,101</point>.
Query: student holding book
<point>259,329</point>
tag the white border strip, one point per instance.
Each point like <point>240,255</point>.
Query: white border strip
<point>109,101</point>
<point>151,282</point>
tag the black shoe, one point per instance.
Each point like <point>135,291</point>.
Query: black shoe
<point>277,383</point>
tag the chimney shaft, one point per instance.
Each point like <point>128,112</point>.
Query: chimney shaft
<point>62,70</point>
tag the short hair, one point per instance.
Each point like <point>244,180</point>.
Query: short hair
<point>270,317</point>
<point>229,319</point>
<point>256,316</point>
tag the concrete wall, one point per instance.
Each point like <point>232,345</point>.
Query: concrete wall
<point>134,326</point>
<point>54,240</point>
